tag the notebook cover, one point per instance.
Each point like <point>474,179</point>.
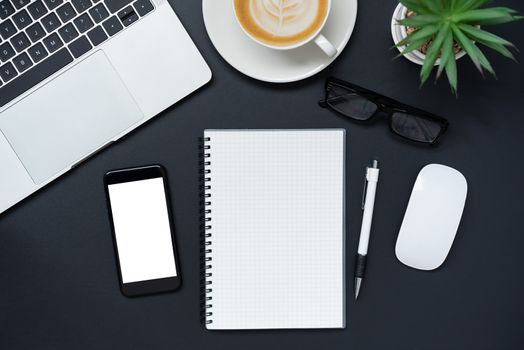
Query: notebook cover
<point>275,237</point>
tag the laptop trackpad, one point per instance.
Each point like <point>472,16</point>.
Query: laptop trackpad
<point>70,117</point>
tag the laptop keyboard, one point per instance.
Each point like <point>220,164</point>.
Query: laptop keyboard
<point>40,37</point>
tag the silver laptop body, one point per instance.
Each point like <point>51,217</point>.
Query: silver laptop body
<point>116,67</point>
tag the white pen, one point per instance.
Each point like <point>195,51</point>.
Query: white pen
<point>368,202</point>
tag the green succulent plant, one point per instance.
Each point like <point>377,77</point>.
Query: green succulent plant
<point>444,23</point>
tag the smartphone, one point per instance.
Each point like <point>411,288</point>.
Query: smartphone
<point>142,226</point>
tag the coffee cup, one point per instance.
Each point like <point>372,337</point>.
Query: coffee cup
<point>285,24</point>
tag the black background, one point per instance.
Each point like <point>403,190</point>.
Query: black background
<point>58,282</point>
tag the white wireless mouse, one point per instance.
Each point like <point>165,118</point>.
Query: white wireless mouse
<point>432,217</point>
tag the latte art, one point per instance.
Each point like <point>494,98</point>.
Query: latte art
<point>284,17</point>
<point>281,22</point>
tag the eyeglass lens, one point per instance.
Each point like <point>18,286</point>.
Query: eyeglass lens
<point>415,127</point>
<point>350,104</point>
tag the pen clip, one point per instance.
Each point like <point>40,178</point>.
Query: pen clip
<point>365,188</point>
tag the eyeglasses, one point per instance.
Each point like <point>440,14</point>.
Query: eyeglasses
<point>362,105</point>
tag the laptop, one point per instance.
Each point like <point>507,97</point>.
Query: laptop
<point>76,75</point>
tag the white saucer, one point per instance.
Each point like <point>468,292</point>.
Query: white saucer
<point>270,65</point>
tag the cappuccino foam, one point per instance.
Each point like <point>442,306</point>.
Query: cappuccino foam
<point>281,22</point>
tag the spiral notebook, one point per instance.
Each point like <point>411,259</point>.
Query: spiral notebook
<point>274,229</point>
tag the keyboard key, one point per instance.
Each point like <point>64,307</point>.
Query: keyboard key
<point>83,23</point>
<point>97,36</point>
<point>6,9</point>
<point>37,52</point>
<point>7,72</point>
<point>68,32</point>
<point>37,9</point>
<point>127,15</point>
<point>20,42</point>
<point>22,19</point>
<point>66,12</point>
<point>143,7</point>
<point>112,26</point>
<point>99,13</point>
<point>52,4</point>
<point>35,32</point>
<point>53,42</point>
<point>51,22</point>
<point>80,46</point>
<point>22,62</point>
<point>82,5</point>
<point>7,29</point>
<point>39,72</point>
<point>20,3</point>
<point>6,52</point>
<point>115,5</point>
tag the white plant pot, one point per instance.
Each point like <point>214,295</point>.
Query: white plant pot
<point>398,32</point>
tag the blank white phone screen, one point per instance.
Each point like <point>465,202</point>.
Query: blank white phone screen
<point>143,234</point>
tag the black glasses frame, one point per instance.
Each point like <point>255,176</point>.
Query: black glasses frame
<point>384,105</point>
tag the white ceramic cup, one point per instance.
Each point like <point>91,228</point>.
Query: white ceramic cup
<point>321,41</point>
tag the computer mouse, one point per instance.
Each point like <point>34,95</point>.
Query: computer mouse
<point>432,217</point>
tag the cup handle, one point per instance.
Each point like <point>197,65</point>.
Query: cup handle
<point>326,46</point>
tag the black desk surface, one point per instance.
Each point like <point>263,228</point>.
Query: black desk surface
<point>58,282</point>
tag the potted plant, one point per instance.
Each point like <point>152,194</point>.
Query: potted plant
<point>439,32</point>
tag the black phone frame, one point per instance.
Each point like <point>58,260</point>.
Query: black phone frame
<point>155,286</point>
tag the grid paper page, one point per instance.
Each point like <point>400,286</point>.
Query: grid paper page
<point>278,231</point>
